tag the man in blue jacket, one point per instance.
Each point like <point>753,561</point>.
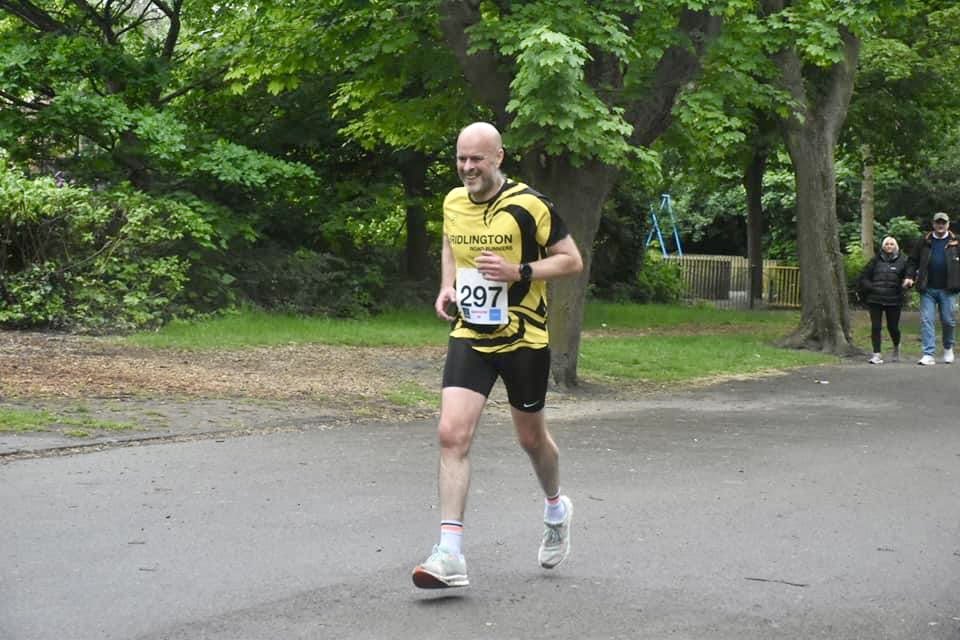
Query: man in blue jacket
<point>935,271</point>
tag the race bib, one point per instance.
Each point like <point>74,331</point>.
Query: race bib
<point>481,301</point>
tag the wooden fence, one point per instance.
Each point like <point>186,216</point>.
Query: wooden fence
<point>724,281</point>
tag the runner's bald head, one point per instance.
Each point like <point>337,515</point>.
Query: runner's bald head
<point>482,132</point>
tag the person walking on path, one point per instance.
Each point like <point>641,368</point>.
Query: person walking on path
<point>882,284</point>
<point>935,271</point>
<point>501,241</point>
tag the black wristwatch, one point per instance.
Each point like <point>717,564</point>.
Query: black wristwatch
<point>526,272</point>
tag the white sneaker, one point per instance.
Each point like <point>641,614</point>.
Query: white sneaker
<point>441,570</point>
<point>895,355</point>
<point>926,360</point>
<point>876,359</point>
<point>948,356</point>
<point>555,546</point>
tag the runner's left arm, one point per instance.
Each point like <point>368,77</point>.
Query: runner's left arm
<point>563,259</point>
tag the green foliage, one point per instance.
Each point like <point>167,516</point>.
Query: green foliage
<point>557,100</point>
<point>76,258</point>
<point>619,244</point>
<point>854,262</point>
<point>903,229</point>
<point>310,283</point>
<point>659,281</point>
<point>555,107</point>
<point>395,84</point>
<point>237,165</point>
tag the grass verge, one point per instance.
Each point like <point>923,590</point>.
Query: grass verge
<point>258,328</point>
<point>23,420</point>
<point>655,343</point>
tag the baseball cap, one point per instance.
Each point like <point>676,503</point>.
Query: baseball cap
<point>940,215</point>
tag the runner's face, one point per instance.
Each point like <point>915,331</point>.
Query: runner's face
<point>478,165</point>
<point>889,246</point>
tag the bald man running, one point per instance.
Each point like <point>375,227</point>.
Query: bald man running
<point>501,241</point>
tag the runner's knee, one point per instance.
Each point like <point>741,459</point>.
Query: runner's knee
<point>454,436</point>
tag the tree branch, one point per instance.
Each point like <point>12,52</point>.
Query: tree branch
<point>678,66</point>
<point>482,69</point>
<point>23,104</point>
<point>173,32</point>
<point>136,22</point>
<point>103,22</point>
<point>33,15</point>
<point>207,81</point>
<point>842,80</point>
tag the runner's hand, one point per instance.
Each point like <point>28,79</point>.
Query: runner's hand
<point>494,268</point>
<point>447,295</point>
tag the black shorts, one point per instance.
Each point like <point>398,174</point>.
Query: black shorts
<point>525,372</point>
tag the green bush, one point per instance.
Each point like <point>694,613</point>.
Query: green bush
<point>905,230</point>
<point>854,262</point>
<point>72,257</point>
<point>659,281</point>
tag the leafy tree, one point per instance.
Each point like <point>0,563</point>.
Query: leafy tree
<point>581,90</point>
<point>815,49</point>
<point>904,101</point>
<point>96,91</point>
<point>395,89</point>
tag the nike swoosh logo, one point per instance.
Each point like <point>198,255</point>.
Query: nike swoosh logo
<point>527,405</point>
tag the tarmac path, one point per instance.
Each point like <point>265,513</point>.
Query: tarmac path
<point>778,507</point>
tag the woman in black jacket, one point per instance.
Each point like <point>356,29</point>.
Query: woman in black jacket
<point>882,285</point>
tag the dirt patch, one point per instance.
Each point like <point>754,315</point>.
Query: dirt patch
<point>77,366</point>
<point>131,394</point>
<point>173,393</point>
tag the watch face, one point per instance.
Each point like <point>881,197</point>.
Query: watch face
<point>525,271</point>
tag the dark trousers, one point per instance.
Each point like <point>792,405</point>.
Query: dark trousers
<point>876,325</point>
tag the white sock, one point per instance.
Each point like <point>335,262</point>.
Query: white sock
<point>554,509</point>
<point>451,536</point>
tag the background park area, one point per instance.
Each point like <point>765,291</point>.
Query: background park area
<point>220,232</point>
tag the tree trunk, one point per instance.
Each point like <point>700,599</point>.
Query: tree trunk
<point>867,210</point>
<point>578,194</point>
<point>811,134</point>
<point>825,317</point>
<point>753,183</point>
<point>413,173</point>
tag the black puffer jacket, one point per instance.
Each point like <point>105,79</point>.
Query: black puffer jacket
<point>882,280</point>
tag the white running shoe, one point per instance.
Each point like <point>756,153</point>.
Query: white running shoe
<point>441,570</point>
<point>555,546</point>
<point>876,359</point>
<point>948,356</point>
<point>895,355</point>
<point>926,360</point>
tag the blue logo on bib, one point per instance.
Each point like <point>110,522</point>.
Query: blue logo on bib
<point>495,314</point>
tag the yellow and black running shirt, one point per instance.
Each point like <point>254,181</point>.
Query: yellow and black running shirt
<point>519,224</point>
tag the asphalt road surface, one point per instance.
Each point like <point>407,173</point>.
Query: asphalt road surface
<point>774,508</point>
